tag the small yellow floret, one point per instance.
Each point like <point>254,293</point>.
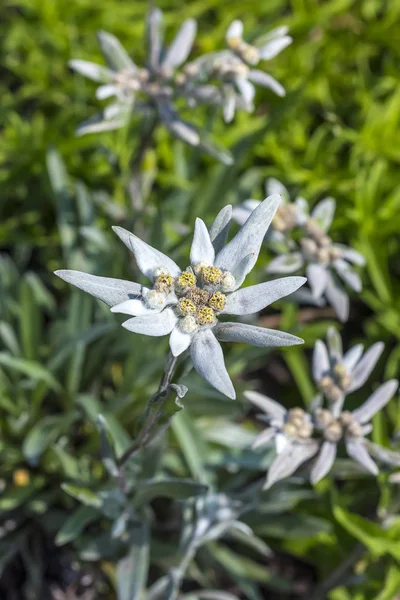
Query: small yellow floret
<point>21,477</point>
<point>217,301</point>
<point>186,306</point>
<point>211,275</point>
<point>186,280</point>
<point>163,282</point>
<point>205,316</point>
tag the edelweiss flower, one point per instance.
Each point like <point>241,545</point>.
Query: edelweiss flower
<point>337,375</point>
<point>323,260</point>
<point>187,304</point>
<point>299,435</point>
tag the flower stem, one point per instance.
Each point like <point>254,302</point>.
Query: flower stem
<point>153,408</point>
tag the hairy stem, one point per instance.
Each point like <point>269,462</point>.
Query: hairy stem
<point>153,408</point>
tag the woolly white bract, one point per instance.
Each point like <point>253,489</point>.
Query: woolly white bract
<point>186,304</point>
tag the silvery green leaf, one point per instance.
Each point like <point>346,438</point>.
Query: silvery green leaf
<point>180,389</point>
<point>208,595</point>
<point>337,298</point>
<point>272,408</point>
<point>154,325</point>
<point>256,336</point>
<point>324,462</point>
<point>216,150</point>
<point>266,80</point>
<point>324,212</point>
<point>202,249</point>
<point>351,255</point>
<point>274,47</point>
<point>147,258</point>
<point>219,230</point>
<point>246,89</point>
<point>286,463</point>
<point>365,366</point>
<point>250,237</point>
<point>382,454</point>
<point>242,212</point>
<point>355,448</point>
<point>317,276</point>
<point>273,186</point>
<point>181,46</point>
<point>286,263</point>
<point>114,53</point>
<point>179,341</point>
<point>154,36</point>
<point>348,274</point>
<point>111,291</point>
<point>376,401</point>
<point>321,364</point>
<point>179,128</point>
<point>316,402</point>
<point>208,360</point>
<point>352,356</point>
<point>235,30</point>
<point>304,296</point>
<point>302,210</point>
<point>91,70</point>
<point>252,299</point>
<point>132,570</point>
<point>334,344</point>
<point>264,438</point>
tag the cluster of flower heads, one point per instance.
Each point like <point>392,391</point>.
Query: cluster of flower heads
<point>300,435</point>
<point>301,239</point>
<point>186,305</point>
<point>223,78</point>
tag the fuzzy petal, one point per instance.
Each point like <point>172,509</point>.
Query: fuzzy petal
<point>181,46</point>
<point>242,212</point>
<point>385,455</point>
<point>321,363</point>
<point>266,80</point>
<point>246,90</point>
<point>179,341</point>
<point>324,462</point>
<point>286,463</point>
<point>317,276</point>
<point>274,47</point>
<point>338,299</point>
<point>286,263</point>
<point>111,291</point>
<point>147,258</point>
<point>264,438</point>
<point>351,255</point>
<point>274,186</point>
<point>154,325</point>
<point>324,212</point>
<point>154,36</point>
<point>250,237</point>
<point>376,401</point>
<point>91,70</point>
<point>271,408</point>
<point>334,344</point>
<point>208,360</point>
<point>348,274</point>
<point>252,299</point>
<point>365,366</point>
<point>219,230</point>
<point>114,53</point>
<point>104,92</point>
<point>202,249</point>
<point>240,271</point>
<point>352,356</point>
<point>235,30</point>
<point>135,307</point>
<point>355,448</point>
<point>256,336</point>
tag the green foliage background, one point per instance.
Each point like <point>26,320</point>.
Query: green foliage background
<point>63,357</point>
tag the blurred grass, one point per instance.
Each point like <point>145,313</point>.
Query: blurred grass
<point>64,359</point>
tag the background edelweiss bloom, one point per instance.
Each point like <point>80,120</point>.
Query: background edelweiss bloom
<point>186,304</point>
<point>290,430</point>
<point>351,427</point>
<point>323,261</point>
<point>337,375</point>
<point>299,436</point>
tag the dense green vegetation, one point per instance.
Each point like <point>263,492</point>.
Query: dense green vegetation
<point>64,359</point>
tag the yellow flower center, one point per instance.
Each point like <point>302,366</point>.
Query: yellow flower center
<point>217,301</point>
<point>205,316</point>
<point>163,282</point>
<point>211,275</point>
<point>186,306</point>
<point>186,280</point>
